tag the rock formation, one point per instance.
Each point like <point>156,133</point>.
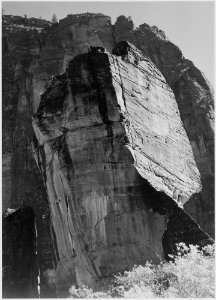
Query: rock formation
<point>115,157</point>
<point>34,51</point>
<point>20,256</point>
<point>194,97</point>
<point>22,186</point>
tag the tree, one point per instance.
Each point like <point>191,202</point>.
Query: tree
<point>54,19</point>
<point>25,15</point>
<point>190,274</point>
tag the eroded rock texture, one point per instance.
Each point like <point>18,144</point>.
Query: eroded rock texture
<point>72,36</point>
<point>194,97</point>
<point>34,50</point>
<point>114,155</point>
<point>22,182</point>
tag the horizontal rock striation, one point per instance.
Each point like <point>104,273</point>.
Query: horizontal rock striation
<point>117,163</point>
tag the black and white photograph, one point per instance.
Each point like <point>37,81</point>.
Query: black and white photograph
<point>108,181</point>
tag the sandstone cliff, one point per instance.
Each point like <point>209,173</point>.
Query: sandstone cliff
<point>116,157</point>
<point>194,97</point>
<point>22,184</point>
<point>33,51</point>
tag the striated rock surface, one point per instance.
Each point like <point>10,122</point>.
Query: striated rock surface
<point>117,162</point>
<point>34,50</point>
<point>194,97</point>
<point>156,135</point>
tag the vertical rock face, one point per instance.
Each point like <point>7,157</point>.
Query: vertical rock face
<point>194,97</point>
<point>50,50</point>
<point>72,36</point>
<point>155,129</point>
<point>33,51</point>
<point>20,269</point>
<point>100,128</point>
<point>22,182</point>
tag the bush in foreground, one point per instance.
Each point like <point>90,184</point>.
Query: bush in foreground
<point>190,274</point>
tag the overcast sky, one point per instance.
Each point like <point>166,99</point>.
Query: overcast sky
<point>189,25</point>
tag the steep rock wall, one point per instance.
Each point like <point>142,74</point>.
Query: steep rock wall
<point>22,183</point>
<point>33,51</point>
<point>195,101</point>
<point>109,196</point>
<point>56,46</point>
<point>20,269</point>
<point>72,36</point>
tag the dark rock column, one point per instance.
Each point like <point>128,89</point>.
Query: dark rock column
<point>22,181</point>
<point>20,270</point>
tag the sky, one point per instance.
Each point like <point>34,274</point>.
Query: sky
<point>189,25</point>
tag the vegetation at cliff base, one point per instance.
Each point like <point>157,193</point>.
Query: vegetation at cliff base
<point>189,274</point>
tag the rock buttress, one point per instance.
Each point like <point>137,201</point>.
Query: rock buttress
<point>116,161</point>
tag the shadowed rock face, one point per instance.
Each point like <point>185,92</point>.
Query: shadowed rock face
<point>116,162</point>
<point>20,269</point>
<point>33,51</point>
<point>23,40</point>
